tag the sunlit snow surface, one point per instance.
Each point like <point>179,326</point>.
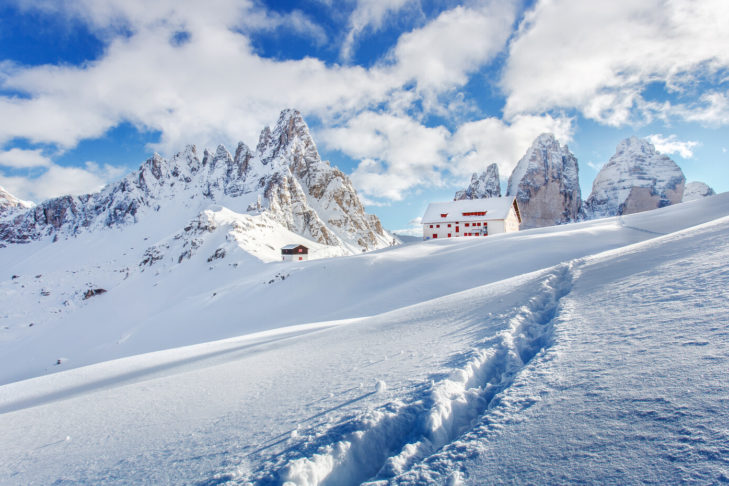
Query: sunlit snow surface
<point>595,352</point>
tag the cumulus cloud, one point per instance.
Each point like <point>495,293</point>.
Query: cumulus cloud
<point>59,181</point>
<point>671,145</point>
<point>397,153</point>
<point>598,57</point>
<point>477,144</point>
<point>16,158</point>
<point>458,42</point>
<point>368,14</point>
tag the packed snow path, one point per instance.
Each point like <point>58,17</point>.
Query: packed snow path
<point>604,368</point>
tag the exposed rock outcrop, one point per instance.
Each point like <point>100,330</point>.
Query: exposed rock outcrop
<point>546,184</point>
<point>486,184</point>
<point>637,178</point>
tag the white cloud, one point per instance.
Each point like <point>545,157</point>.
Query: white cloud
<point>671,145</point>
<point>712,109</point>
<point>598,57</point>
<point>58,181</point>
<point>596,166</point>
<point>16,158</point>
<point>368,14</point>
<point>477,144</point>
<point>397,153</point>
<point>458,42</point>
<point>214,88</point>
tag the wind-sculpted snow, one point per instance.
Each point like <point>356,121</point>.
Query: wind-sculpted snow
<point>284,177</point>
<point>388,441</point>
<point>593,352</point>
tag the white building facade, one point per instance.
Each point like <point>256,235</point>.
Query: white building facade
<point>471,218</point>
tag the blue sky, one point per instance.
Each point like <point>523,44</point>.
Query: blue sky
<point>408,97</point>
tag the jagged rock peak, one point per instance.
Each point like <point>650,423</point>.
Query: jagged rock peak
<point>696,190</point>
<point>636,178</point>
<point>486,184</point>
<point>546,184</point>
<point>287,179</point>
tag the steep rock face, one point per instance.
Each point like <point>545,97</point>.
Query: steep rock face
<point>284,177</point>
<point>637,178</point>
<point>546,184</point>
<point>486,184</point>
<point>696,190</point>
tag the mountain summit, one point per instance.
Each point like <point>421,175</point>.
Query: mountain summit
<point>283,179</point>
<point>636,178</point>
<point>486,184</point>
<point>546,184</point>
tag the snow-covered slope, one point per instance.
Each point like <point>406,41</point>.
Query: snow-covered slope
<point>546,184</point>
<point>284,177</point>
<point>8,201</point>
<point>696,190</point>
<point>589,352</point>
<point>637,178</point>
<point>486,184</point>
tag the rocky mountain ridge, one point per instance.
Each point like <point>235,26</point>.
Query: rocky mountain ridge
<point>545,183</point>
<point>485,184</point>
<point>284,177</point>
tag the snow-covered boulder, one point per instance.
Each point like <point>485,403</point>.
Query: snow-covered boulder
<point>486,184</point>
<point>546,184</point>
<point>637,178</point>
<point>284,177</point>
<point>696,190</point>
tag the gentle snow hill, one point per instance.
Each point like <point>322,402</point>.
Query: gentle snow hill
<point>170,303</point>
<point>595,352</point>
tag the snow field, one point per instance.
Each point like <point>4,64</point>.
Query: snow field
<point>590,352</point>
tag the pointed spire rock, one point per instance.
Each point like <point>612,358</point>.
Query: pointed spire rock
<point>636,178</point>
<point>486,184</point>
<point>546,184</point>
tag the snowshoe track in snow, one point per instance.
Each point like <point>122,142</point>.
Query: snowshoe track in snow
<point>379,445</point>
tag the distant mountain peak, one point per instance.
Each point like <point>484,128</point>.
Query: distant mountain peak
<point>636,178</point>
<point>483,185</point>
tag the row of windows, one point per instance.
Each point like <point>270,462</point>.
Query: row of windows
<point>475,213</point>
<point>466,224</point>
<point>435,235</point>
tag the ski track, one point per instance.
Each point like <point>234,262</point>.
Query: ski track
<point>378,445</point>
